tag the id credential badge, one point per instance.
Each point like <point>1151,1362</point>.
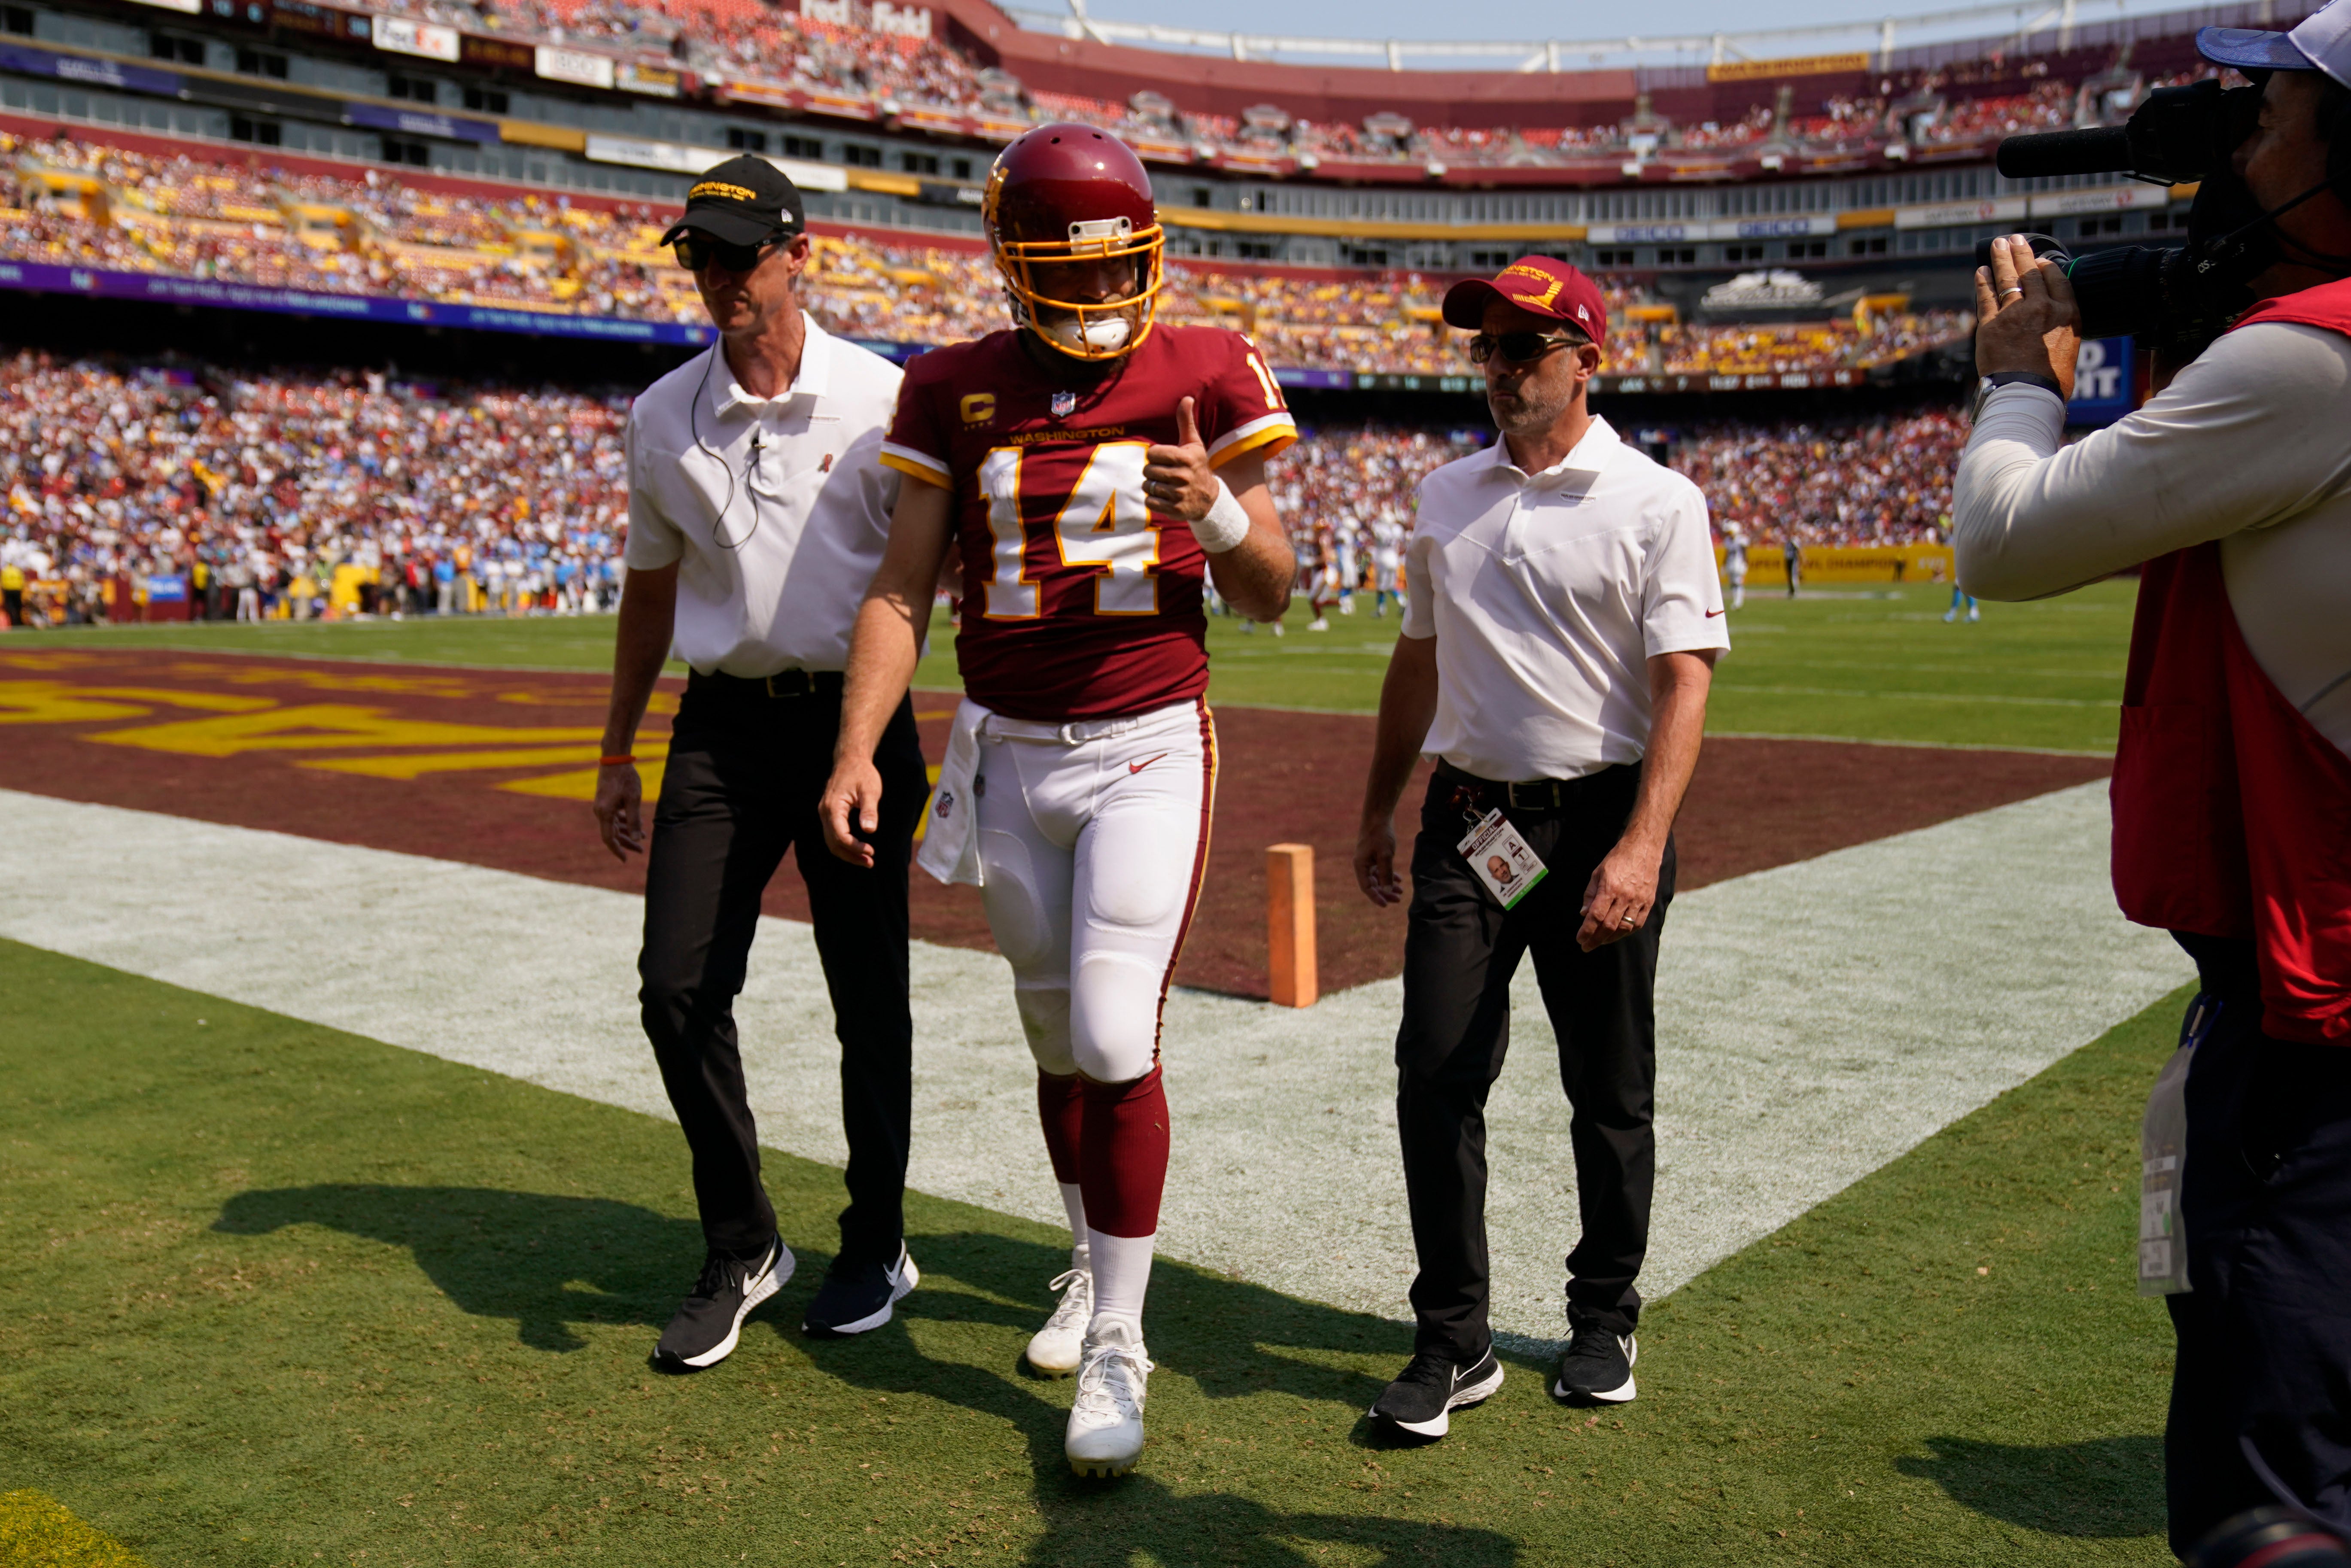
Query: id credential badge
<point>1501,859</point>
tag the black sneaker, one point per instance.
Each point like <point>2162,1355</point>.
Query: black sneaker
<point>856,1297</point>
<point>1596,1368</point>
<point>705,1331</point>
<point>1421,1401</point>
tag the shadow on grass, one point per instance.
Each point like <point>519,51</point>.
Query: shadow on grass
<point>549,1263</point>
<point>1224,1335</point>
<point>2104,1488</point>
<point>520,1255</point>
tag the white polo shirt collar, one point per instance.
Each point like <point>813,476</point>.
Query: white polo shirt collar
<point>1588,458</point>
<point>1547,593</point>
<point>728,396</point>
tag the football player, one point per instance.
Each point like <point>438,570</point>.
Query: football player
<point>1091,467</point>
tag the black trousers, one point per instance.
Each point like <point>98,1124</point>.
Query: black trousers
<point>741,785</point>
<point>1461,949</point>
<point>2261,1390</point>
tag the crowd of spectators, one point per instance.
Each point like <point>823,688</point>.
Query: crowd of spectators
<point>1874,482</point>
<point>759,42</point>
<point>248,494</point>
<point>254,494</point>
<point>91,204</point>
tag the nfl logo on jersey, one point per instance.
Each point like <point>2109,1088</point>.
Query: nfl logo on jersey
<point>1065,404</point>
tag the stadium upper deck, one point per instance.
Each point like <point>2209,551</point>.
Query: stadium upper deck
<point>906,102</point>
<point>299,234</point>
<point>1831,196</point>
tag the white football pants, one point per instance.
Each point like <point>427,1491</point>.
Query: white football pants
<point>1093,837</point>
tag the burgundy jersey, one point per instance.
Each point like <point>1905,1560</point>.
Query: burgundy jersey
<point>1077,602</point>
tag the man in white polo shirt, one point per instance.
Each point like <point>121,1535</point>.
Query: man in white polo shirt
<point>1562,624</point>
<point>757,511</point>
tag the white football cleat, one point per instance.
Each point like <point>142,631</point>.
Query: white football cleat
<point>1057,1348</point>
<point>1106,1432</point>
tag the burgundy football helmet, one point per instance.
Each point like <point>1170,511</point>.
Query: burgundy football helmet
<point>1064,194</point>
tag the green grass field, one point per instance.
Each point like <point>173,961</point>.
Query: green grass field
<point>1865,664</point>
<point>280,1295</point>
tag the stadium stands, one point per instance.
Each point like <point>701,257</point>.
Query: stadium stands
<point>278,479</point>
<point>1881,482</point>
<point>751,52</point>
<point>86,203</point>
<point>114,472</point>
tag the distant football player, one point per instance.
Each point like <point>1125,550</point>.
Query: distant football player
<point>1734,564</point>
<point>1091,467</point>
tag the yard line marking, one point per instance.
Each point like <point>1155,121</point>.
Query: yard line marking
<point>1816,1020</point>
<point>1891,696</point>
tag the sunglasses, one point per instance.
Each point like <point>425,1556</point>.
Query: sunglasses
<point>695,252</point>
<point>1518,347</point>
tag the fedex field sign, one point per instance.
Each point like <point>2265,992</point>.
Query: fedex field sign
<point>2102,381</point>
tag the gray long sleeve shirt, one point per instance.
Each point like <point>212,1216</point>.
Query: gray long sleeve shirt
<point>2250,445</point>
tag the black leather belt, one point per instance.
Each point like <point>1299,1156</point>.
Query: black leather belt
<point>782,683</point>
<point>1525,795</point>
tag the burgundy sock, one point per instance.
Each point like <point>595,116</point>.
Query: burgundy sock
<point>1061,1108</point>
<point>1122,1157</point>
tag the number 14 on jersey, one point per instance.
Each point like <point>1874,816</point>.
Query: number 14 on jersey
<point>1104,528</point>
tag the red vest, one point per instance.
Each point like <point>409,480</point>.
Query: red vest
<point>2232,813</point>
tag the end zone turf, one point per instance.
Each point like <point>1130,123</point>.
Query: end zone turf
<point>39,1532</point>
<point>283,1295</point>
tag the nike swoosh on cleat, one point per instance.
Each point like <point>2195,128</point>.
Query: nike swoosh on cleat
<point>1139,767</point>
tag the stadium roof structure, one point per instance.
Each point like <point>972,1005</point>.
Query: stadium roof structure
<point>1762,47</point>
<point>1533,81</point>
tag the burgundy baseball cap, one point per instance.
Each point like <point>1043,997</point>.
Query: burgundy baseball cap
<point>1542,284</point>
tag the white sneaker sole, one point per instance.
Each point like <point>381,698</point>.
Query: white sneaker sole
<point>1105,1464</point>
<point>1477,1392</point>
<point>899,1289</point>
<point>1621,1394</point>
<point>776,1277</point>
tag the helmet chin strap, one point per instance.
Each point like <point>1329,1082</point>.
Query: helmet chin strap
<point>1106,335</point>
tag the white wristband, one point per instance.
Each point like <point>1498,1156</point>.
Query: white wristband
<point>1225,526</point>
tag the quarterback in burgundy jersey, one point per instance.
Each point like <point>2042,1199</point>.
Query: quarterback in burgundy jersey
<point>1091,469</point>
<point>1078,603</point>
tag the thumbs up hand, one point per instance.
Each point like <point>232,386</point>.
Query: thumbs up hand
<point>1176,480</point>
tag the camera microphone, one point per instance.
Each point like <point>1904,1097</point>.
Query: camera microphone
<point>2053,152</point>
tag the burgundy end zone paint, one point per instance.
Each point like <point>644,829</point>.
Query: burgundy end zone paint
<point>1281,778</point>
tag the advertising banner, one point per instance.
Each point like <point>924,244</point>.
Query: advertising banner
<point>2104,199</point>
<point>43,278</point>
<point>1772,70</point>
<point>494,54</point>
<point>420,123</point>
<point>318,21</point>
<point>1954,215</point>
<point>583,67</point>
<point>649,81</point>
<point>2102,388</point>
<point>428,40</point>
<point>88,72</point>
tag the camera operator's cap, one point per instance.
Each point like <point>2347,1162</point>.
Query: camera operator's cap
<point>743,201</point>
<point>2321,43</point>
<point>1543,284</point>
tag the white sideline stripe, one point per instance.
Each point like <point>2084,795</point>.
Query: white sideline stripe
<point>1816,1021</point>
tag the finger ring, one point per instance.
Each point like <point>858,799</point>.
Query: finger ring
<point>2006,292</point>
<point>1628,922</point>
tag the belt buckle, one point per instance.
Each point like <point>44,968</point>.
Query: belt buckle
<point>1540,794</point>
<point>771,684</point>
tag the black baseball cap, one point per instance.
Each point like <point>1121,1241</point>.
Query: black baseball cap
<point>743,200</point>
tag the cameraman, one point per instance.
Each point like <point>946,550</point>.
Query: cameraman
<point>2232,491</point>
